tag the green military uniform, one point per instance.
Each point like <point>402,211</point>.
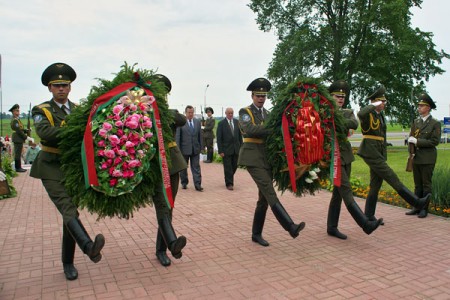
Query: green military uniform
<point>166,234</point>
<point>19,136</point>
<point>373,150</point>
<point>48,118</point>
<point>344,191</point>
<point>208,135</point>
<point>428,133</point>
<point>253,156</point>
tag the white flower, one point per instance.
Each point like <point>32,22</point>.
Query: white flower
<point>308,180</point>
<point>317,170</point>
<point>313,175</point>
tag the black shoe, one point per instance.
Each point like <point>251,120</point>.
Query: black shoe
<point>423,213</point>
<point>257,238</point>
<point>184,186</point>
<point>20,170</point>
<point>335,232</point>
<point>207,161</point>
<point>93,249</point>
<point>70,271</point>
<point>199,188</point>
<point>178,245</point>
<point>230,187</point>
<point>412,212</point>
<point>163,258</point>
<point>375,219</point>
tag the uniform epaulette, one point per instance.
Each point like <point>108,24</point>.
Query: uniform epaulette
<point>44,105</point>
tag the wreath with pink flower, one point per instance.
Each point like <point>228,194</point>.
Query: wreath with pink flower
<point>303,146</point>
<point>123,149</point>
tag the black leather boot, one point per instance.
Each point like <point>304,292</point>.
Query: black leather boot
<point>413,200</point>
<point>423,213</point>
<point>67,255</point>
<point>258,223</point>
<point>161,249</point>
<point>334,211</point>
<point>174,244</point>
<point>18,166</point>
<point>414,211</point>
<point>90,248</point>
<point>285,220</point>
<point>369,210</point>
<point>367,225</point>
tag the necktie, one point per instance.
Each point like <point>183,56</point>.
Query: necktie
<point>191,124</point>
<point>231,126</point>
<point>66,110</point>
<point>261,111</point>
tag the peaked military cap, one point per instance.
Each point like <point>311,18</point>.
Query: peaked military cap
<point>15,106</point>
<point>259,86</point>
<point>164,80</point>
<point>425,99</point>
<point>58,73</point>
<point>379,94</point>
<point>209,109</point>
<point>339,88</point>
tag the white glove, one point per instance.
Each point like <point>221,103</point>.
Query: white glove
<point>412,139</point>
<point>30,139</point>
<point>2,176</point>
<point>377,103</point>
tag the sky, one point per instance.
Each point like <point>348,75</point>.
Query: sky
<point>210,52</point>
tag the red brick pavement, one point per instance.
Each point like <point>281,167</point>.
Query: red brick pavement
<point>407,258</point>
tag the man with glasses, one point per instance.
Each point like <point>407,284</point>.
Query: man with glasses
<point>374,153</point>
<point>48,118</point>
<point>339,89</point>
<point>252,155</point>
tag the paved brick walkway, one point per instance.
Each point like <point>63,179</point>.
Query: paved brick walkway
<point>407,258</point>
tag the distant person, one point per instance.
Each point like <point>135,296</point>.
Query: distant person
<point>189,139</point>
<point>208,134</point>
<point>338,90</point>
<point>19,137</point>
<point>48,118</point>
<point>32,152</point>
<point>424,135</point>
<point>374,153</point>
<point>253,156</point>
<point>229,141</point>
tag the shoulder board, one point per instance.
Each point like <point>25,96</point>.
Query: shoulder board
<point>44,105</point>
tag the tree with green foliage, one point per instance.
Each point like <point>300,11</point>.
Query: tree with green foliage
<point>365,42</point>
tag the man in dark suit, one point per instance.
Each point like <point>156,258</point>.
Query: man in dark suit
<point>253,156</point>
<point>425,134</point>
<point>373,150</point>
<point>189,139</point>
<point>229,141</point>
<point>48,118</point>
<point>339,89</point>
<point>208,134</point>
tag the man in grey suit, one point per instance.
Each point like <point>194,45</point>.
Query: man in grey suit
<point>229,141</point>
<point>189,139</point>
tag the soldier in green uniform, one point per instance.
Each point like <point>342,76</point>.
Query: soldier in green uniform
<point>166,235</point>
<point>48,118</point>
<point>252,155</point>
<point>339,89</point>
<point>208,134</point>
<point>374,153</point>
<point>19,136</point>
<point>425,134</point>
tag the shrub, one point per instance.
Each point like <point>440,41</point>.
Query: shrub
<point>441,188</point>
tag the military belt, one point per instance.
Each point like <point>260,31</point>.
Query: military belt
<point>253,140</point>
<point>50,149</point>
<point>172,144</point>
<point>373,137</point>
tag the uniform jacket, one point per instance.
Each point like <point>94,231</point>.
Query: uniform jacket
<point>428,135</point>
<point>190,142</point>
<point>228,142</point>
<point>372,124</point>
<point>208,130</point>
<point>345,148</point>
<point>178,162</point>
<point>48,118</point>
<point>20,134</point>
<point>252,126</point>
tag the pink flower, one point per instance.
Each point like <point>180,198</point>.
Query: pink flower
<point>107,126</point>
<point>148,135</point>
<point>101,143</point>
<point>132,124</point>
<point>117,160</point>
<point>117,173</point>
<point>129,144</point>
<point>142,140</point>
<point>134,163</point>
<point>128,174</point>
<point>131,151</point>
<point>102,132</point>
<point>123,152</point>
<point>125,166</point>
<point>147,124</point>
<point>109,161</point>
<point>119,123</point>
<point>133,107</point>
<point>101,153</point>
<point>117,109</point>
<point>113,182</point>
<point>119,132</point>
<point>110,153</point>
<point>104,166</point>
<point>113,139</point>
<point>141,153</point>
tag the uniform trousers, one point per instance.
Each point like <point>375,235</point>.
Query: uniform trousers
<point>266,192</point>
<point>422,179</point>
<point>63,202</point>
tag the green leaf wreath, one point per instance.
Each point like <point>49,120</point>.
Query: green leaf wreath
<point>291,103</point>
<point>132,190</point>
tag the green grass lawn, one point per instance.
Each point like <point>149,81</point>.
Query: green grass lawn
<point>397,157</point>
